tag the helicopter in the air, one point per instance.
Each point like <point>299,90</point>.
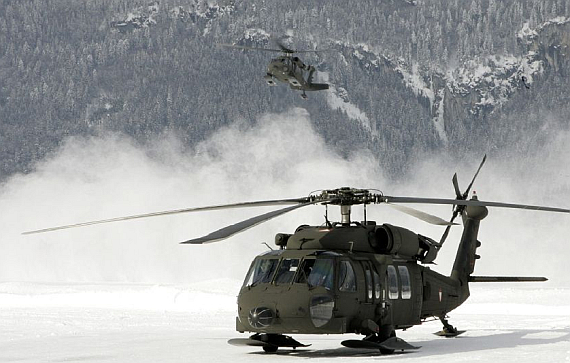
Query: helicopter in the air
<point>352,277</point>
<point>288,68</point>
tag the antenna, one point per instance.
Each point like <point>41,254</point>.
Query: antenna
<point>268,246</point>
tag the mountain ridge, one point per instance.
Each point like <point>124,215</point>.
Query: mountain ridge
<point>406,78</point>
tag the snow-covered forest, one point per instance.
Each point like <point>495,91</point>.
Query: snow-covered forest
<point>407,77</point>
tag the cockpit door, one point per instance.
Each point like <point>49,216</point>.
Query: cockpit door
<point>346,289</point>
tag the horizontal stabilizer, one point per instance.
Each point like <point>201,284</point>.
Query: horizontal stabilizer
<point>506,279</point>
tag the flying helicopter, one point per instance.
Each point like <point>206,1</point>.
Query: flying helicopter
<point>352,276</point>
<point>288,68</point>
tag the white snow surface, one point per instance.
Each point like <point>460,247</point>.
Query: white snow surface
<point>102,322</point>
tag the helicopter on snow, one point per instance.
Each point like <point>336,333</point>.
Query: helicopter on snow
<point>352,277</point>
<point>288,69</point>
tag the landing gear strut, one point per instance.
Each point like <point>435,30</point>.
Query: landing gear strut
<point>269,342</point>
<point>449,330</point>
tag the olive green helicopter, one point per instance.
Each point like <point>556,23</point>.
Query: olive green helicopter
<point>352,277</point>
<point>288,68</point>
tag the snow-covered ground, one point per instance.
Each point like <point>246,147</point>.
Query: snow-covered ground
<point>192,323</point>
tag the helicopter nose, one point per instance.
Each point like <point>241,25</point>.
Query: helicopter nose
<point>260,317</point>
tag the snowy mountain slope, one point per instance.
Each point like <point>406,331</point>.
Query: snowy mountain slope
<point>416,77</point>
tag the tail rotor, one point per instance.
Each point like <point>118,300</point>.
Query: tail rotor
<point>458,209</point>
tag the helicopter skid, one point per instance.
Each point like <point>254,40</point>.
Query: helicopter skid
<point>390,344</point>
<point>268,340</point>
<point>449,334</point>
<point>294,82</point>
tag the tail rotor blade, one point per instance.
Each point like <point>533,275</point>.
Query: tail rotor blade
<point>466,194</point>
<point>456,186</point>
<point>448,228</point>
<point>457,209</point>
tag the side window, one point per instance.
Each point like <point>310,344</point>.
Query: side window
<point>405,279</point>
<point>346,277</point>
<point>322,273</point>
<point>317,272</point>
<point>286,271</point>
<point>368,278</point>
<point>376,285</point>
<point>392,283</point>
<point>305,270</point>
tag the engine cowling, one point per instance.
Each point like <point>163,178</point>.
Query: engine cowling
<point>393,240</point>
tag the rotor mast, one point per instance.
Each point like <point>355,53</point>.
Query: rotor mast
<point>345,214</point>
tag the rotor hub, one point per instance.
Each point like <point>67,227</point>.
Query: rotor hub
<point>346,196</point>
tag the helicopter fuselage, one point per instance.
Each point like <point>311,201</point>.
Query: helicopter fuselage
<point>332,280</point>
<point>290,70</point>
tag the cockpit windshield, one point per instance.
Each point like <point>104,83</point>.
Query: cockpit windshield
<point>261,272</point>
<point>281,271</point>
<point>317,272</point>
<point>286,271</point>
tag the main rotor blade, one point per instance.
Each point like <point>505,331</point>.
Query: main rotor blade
<point>284,49</point>
<point>475,203</point>
<point>263,203</point>
<point>229,231</point>
<point>426,217</point>
<point>249,48</point>
<point>312,51</point>
<point>466,194</point>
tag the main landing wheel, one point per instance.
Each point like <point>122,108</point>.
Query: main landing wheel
<point>270,348</point>
<point>388,351</point>
<point>386,332</point>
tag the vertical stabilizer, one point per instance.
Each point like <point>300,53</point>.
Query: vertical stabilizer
<point>465,260</point>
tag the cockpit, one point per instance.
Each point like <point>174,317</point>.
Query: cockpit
<point>313,270</point>
<point>288,290</point>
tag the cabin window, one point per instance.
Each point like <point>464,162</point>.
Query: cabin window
<point>392,283</point>
<point>286,271</point>
<point>261,271</point>
<point>368,279</point>
<point>346,277</point>
<point>317,272</point>
<point>376,285</point>
<point>406,285</point>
